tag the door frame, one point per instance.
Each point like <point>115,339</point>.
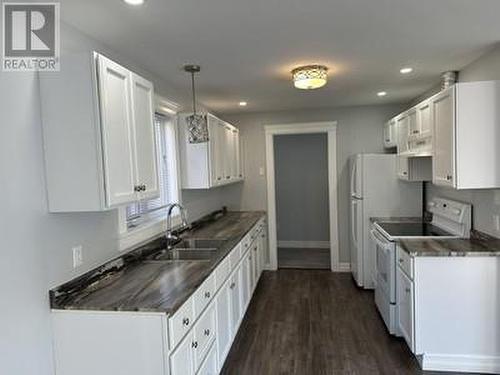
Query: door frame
<point>330,128</point>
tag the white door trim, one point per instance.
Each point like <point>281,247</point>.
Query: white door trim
<point>330,128</point>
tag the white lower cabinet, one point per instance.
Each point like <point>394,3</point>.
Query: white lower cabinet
<point>224,325</point>
<point>236,307</point>
<point>181,360</point>
<point>209,366</point>
<point>405,311</point>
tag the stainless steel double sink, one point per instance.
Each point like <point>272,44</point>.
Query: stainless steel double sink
<point>190,249</point>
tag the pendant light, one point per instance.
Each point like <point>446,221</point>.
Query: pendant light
<point>197,123</point>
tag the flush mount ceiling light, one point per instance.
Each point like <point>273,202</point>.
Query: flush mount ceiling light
<point>310,77</point>
<point>134,2</point>
<point>381,93</point>
<point>406,70</point>
<point>242,104</point>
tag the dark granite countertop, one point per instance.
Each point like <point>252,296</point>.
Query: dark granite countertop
<point>479,245</point>
<point>134,283</point>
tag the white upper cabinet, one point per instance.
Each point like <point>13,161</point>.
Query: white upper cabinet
<point>413,124</point>
<point>467,145</point>
<point>117,132</point>
<point>213,163</point>
<point>144,133</point>
<point>98,131</point>
<point>403,129</point>
<point>444,153</point>
<point>390,134</point>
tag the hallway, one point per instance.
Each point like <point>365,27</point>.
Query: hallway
<point>310,322</point>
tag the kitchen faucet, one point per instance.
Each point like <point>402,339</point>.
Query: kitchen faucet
<point>170,235</point>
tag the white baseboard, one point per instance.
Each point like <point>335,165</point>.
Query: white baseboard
<point>343,267</point>
<point>305,244</point>
<point>461,363</point>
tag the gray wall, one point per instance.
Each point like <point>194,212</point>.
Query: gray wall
<point>301,177</point>
<point>486,202</point>
<point>36,246</point>
<point>360,129</point>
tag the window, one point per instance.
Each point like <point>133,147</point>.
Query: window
<point>144,211</point>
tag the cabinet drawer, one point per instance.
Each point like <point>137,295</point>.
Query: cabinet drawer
<point>245,243</point>
<point>405,261</point>
<point>203,335</point>
<point>180,323</point>
<point>209,365</point>
<point>235,256</point>
<point>203,295</point>
<point>222,272</point>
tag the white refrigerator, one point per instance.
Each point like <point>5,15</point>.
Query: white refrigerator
<point>376,191</point>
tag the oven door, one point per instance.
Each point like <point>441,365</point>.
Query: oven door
<point>386,265</point>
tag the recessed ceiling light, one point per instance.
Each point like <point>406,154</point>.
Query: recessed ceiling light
<point>242,104</point>
<point>406,70</point>
<point>381,93</point>
<point>134,2</point>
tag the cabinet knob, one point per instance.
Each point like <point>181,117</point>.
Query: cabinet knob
<point>407,290</point>
<point>143,187</point>
<point>449,177</point>
<point>185,321</point>
<point>232,285</point>
<point>207,294</point>
<point>416,132</point>
<point>207,332</point>
<point>219,178</point>
<point>405,173</point>
<point>400,260</point>
<point>194,344</point>
<point>137,188</point>
<point>228,177</point>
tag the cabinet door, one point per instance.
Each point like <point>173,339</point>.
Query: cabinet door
<point>144,136</point>
<point>117,132</point>
<point>209,366</point>
<point>405,310</point>
<point>387,135</point>
<point>236,153</point>
<point>403,168</point>
<point>424,118</point>
<point>223,335</point>
<point>263,250</point>
<point>236,308</point>
<point>403,129</point>
<point>216,150</point>
<point>245,281</point>
<point>413,124</point>
<point>181,360</point>
<point>256,263</point>
<point>229,166</point>
<point>443,111</point>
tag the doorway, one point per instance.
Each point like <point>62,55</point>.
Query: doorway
<point>302,195</point>
<point>301,185</point>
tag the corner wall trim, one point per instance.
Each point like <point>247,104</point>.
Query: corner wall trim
<point>461,363</point>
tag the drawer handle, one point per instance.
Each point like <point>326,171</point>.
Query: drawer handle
<point>194,344</point>
<point>207,294</point>
<point>416,132</point>
<point>207,332</point>
<point>185,321</point>
<point>232,285</point>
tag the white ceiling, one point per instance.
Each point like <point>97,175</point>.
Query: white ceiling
<point>247,47</point>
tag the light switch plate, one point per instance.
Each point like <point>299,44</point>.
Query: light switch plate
<point>77,256</point>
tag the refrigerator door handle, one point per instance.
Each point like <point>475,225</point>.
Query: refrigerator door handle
<point>353,173</point>
<point>354,218</point>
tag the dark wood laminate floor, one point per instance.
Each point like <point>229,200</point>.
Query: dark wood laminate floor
<point>315,322</point>
<point>303,258</point>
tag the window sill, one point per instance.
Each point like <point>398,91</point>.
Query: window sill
<point>151,227</point>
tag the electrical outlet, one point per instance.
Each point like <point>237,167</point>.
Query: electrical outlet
<point>496,219</point>
<point>261,171</point>
<point>77,256</point>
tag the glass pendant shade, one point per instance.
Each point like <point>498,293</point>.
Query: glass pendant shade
<point>197,128</point>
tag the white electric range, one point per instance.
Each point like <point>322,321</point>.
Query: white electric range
<point>450,219</point>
